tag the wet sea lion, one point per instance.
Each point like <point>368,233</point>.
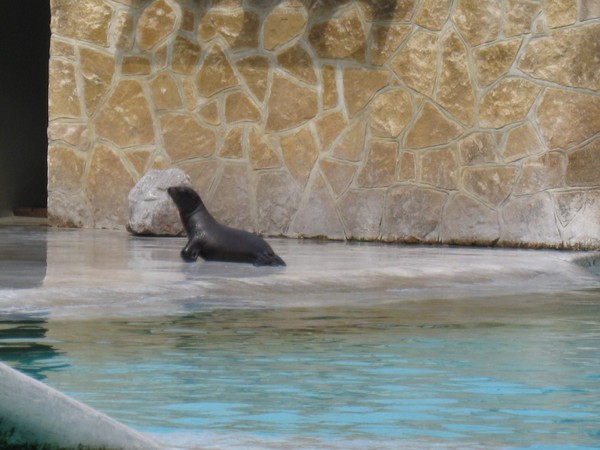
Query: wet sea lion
<point>212,241</point>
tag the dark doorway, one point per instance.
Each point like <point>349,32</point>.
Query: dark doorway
<point>24,52</point>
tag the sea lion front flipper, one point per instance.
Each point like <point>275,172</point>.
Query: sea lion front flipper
<point>190,252</point>
<point>268,259</point>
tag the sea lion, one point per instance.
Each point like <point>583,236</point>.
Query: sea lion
<point>216,242</point>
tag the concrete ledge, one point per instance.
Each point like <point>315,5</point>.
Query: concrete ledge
<point>33,415</point>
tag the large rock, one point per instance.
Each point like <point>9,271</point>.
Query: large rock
<point>151,210</point>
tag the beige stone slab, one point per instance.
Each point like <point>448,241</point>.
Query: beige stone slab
<point>432,128</point>
<point>568,118</point>
<point>300,154</point>
<point>569,57</point>
<point>284,114</point>
<point>494,60</point>
<point>126,119</point>
<point>157,22</point>
<point>507,102</point>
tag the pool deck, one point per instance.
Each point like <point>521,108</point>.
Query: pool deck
<point>87,273</point>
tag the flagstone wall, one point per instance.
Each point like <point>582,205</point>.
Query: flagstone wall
<point>455,121</point>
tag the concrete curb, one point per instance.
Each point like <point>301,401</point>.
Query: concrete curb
<point>33,414</point>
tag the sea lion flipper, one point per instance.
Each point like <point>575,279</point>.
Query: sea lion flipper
<point>268,259</point>
<point>190,252</point>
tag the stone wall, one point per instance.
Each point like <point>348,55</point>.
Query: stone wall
<point>466,121</point>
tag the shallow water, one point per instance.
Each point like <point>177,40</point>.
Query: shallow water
<point>351,346</point>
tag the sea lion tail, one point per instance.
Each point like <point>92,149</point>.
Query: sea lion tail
<point>269,259</point>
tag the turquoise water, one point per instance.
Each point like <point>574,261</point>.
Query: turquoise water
<point>490,372</point>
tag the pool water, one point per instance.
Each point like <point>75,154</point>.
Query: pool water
<point>351,346</point>
<point>496,373</point>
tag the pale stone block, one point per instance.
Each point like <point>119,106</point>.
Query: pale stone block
<point>433,14</point>
<point>210,113</point>
<point>494,60</point>
<point>139,159</point>
<point>351,145</point>
<point>87,21</point>
<point>386,40</point>
<point>468,222</point>
<point>65,169</point>
<point>63,96</point>
<point>568,205</point>
<point>491,184</point>
<point>540,173</point>
<point>255,72</point>
<point>340,38</point>
<point>432,128</point>
<point>231,202</point>
<point>361,85</point>
<point>75,134</point>
<point>391,111</point>
<point>521,141</point>
<point>125,119</point>
<point>135,65</point>
<point>361,212</point>
<point>583,230</point>
<point>186,54</point>
<point>590,9</point>
<point>568,57</point>
<point>318,217</point>
<point>412,214</point>
<point>261,152</point>
<point>165,93</point>
<point>70,211</point>
<point>478,20</point>
<point>408,167</point>
<point>560,13</point>
<point>124,32</point>
<point>478,148</point>
<point>380,167</point>
<point>454,89</point>
<point>329,127</point>
<point>239,107</point>
<point>282,25</point>
<point>338,174</point>
<point>416,63</point>
<point>185,138</point>
<point>583,169</point>
<point>439,168</point>
<point>300,154</point>
<point>216,73</point>
<point>232,145</point>
<point>157,22</point>
<point>283,113</point>
<point>529,221</point>
<point>277,200</point>
<point>238,27</point>
<point>202,174</point>
<point>520,16</point>
<point>107,185</point>
<point>298,63</point>
<point>568,118</point>
<point>59,48</point>
<point>151,210</point>
<point>329,85</point>
<point>507,102</point>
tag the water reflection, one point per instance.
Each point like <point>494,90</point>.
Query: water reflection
<point>22,263</point>
<point>24,345</point>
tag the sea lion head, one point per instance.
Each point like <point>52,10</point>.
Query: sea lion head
<point>186,199</point>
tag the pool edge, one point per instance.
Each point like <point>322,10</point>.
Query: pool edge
<point>34,414</point>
